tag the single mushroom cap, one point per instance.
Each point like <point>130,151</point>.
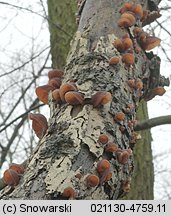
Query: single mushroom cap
<point>101,98</point>
<point>69,192</point>
<point>92,180</point>
<point>55,74</point>
<point>114,60</point>
<point>17,167</point>
<point>42,92</point>
<point>11,177</point>
<point>151,43</point>
<point>39,124</point>
<point>74,98</point>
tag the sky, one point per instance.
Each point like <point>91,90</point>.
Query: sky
<point>22,32</point>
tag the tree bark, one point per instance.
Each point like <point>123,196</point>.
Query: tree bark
<point>71,145</point>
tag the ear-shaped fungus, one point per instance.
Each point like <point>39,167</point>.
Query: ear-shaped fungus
<point>150,43</point>
<point>122,156</point>
<point>101,98</point>
<point>103,139</point>
<point>126,7</point>
<point>17,168</point>
<point>69,192</point>
<point>42,92</point>
<point>103,165</point>
<point>54,82</point>
<point>66,88</point>
<point>111,147</point>
<point>56,96</point>
<point>159,91</point>
<point>92,180</point>
<point>118,44</point>
<point>11,177</point>
<point>55,74</point>
<point>127,20</point>
<point>120,116</point>
<point>127,43</point>
<point>128,58</point>
<point>39,124</point>
<point>138,10</point>
<point>74,98</point>
<point>114,60</point>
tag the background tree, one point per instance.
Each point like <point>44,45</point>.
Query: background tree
<point>58,64</point>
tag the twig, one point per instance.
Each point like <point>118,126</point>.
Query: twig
<point>149,123</point>
<point>25,63</point>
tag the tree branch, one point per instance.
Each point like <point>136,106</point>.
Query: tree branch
<point>25,90</point>
<point>25,63</point>
<point>15,131</point>
<point>21,116</point>
<point>46,18</point>
<point>149,123</point>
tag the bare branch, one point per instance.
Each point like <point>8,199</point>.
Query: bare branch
<point>31,11</point>
<point>15,132</point>
<point>149,123</point>
<point>25,63</point>
<point>25,90</point>
<point>21,116</point>
<point>44,10</point>
<point>166,8</point>
<point>162,27</point>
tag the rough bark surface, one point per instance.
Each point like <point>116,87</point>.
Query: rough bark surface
<point>70,145</point>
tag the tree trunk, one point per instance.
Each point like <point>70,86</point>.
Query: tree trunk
<point>143,176</point>
<point>62,27</point>
<point>70,147</point>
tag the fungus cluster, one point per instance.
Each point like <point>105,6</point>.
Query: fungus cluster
<point>136,39</point>
<point>108,146</point>
<point>68,92</point>
<point>131,15</point>
<point>131,11</point>
<point>123,155</point>
<point>146,41</point>
<point>124,46</point>
<point>54,82</point>
<point>103,172</point>
<point>111,147</point>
